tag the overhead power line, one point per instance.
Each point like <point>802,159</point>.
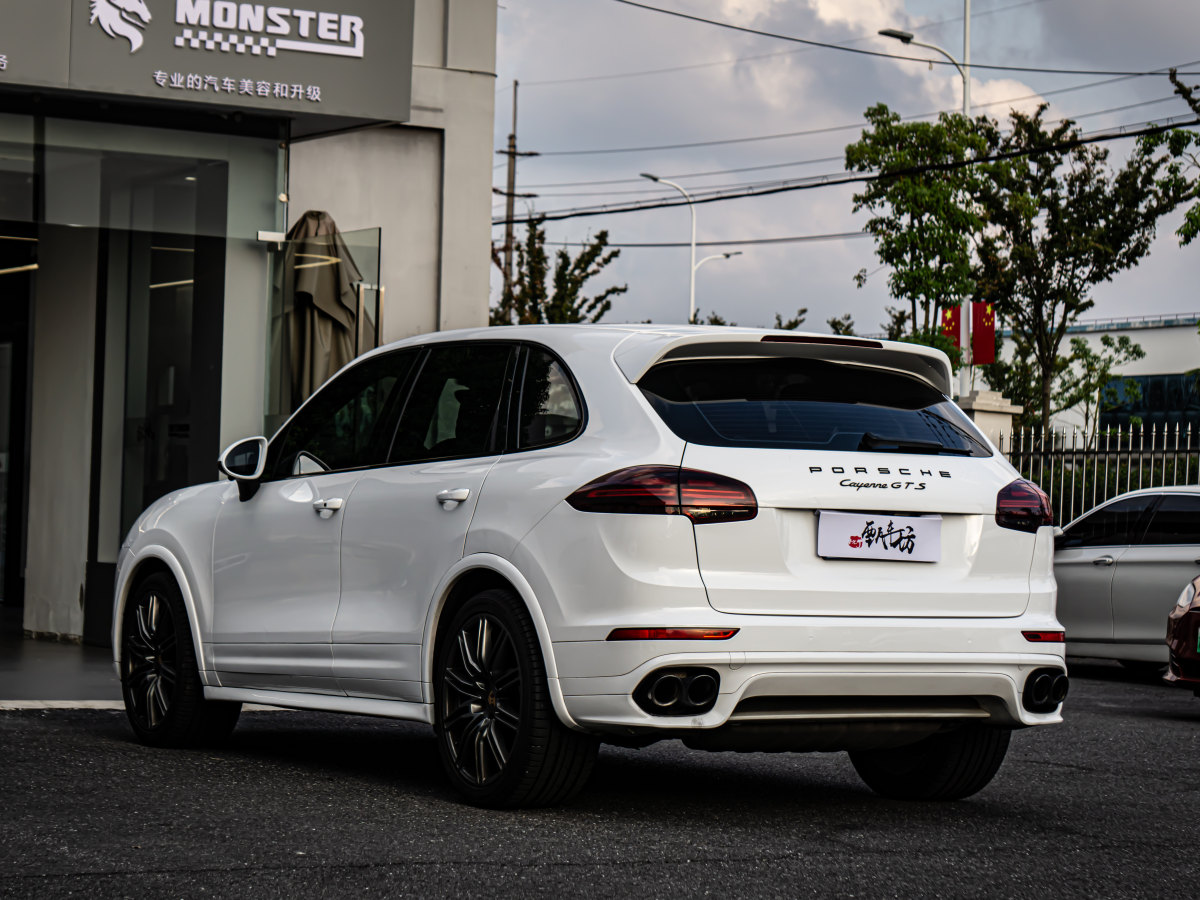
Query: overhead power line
<point>744,242</point>
<point>827,130</point>
<point>582,212</point>
<point>880,53</point>
<point>610,76</point>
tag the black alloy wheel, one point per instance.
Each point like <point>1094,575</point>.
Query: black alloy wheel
<point>160,683</point>
<point>481,699</point>
<point>499,739</point>
<point>151,659</point>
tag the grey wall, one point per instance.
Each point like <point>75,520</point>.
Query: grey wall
<point>426,184</point>
<point>387,178</point>
<point>60,465</point>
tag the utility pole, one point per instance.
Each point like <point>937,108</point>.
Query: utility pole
<point>510,194</point>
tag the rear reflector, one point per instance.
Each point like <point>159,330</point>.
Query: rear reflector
<point>669,491</point>
<point>1045,637</point>
<point>817,339</point>
<point>672,634</point>
<point>1023,506</point>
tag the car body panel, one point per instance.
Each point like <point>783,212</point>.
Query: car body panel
<point>1085,576</point>
<point>276,583</point>
<point>1113,597</point>
<point>397,542</point>
<point>770,565</point>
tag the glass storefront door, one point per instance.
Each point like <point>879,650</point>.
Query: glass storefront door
<point>18,267</point>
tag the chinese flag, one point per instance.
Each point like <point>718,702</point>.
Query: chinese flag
<point>983,334</point>
<point>950,324</point>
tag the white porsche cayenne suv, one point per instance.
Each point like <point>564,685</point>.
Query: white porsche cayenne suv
<point>538,539</point>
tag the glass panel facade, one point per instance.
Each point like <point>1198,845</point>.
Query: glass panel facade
<point>1154,401</point>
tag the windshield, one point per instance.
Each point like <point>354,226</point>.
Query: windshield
<point>807,404</point>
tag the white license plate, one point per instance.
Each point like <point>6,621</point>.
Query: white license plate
<point>843,535</point>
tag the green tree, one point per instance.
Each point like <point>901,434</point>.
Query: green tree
<point>1016,377</point>
<point>843,324</point>
<point>924,219</point>
<point>794,322</point>
<point>897,324</point>
<point>537,296</point>
<point>1059,221</point>
<point>1184,145</point>
<point>1088,384</point>
<point>712,318</point>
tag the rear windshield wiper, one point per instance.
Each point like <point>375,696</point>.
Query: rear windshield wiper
<point>872,441</point>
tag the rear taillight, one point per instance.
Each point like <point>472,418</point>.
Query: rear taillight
<point>670,491</point>
<point>1023,506</point>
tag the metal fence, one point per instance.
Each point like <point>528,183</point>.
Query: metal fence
<point>1080,470</point>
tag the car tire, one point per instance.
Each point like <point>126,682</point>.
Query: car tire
<point>945,766</point>
<point>500,741</point>
<point>160,684</point>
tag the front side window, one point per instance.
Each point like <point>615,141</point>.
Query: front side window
<point>807,404</point>
<point>550,409</point>
<point>454,408</point>
<point>1118,524</point>
<point>348,424</point>
<point>1176,520</point>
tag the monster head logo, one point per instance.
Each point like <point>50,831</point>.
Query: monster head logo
<point>119,18</point>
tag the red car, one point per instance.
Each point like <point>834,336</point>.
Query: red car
<point>1183,638</point>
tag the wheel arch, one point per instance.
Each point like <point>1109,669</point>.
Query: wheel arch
<point>471,575</point>
<point>149,561</point>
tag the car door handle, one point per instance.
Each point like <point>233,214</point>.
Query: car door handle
<point>451,498</point>
<point>1103,561</point>
<point>326,508</point>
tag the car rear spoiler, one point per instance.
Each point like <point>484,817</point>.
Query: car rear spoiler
<point>639,352</point>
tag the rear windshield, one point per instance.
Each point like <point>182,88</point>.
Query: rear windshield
<point>807,404</point>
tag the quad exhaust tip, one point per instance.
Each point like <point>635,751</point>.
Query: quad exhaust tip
<point>689,691</point>
<point>1045,690</point>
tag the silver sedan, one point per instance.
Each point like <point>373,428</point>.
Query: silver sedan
<point>1119,568</point>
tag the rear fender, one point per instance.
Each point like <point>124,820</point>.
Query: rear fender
<point>513,576</point>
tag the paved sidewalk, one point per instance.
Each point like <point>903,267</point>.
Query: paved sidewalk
<point>40,672</point>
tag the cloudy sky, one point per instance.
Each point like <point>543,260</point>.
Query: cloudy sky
<point>598,75</point>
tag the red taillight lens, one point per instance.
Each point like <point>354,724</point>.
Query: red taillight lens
<point>705,497</point>
<point>667,490</point>
<point>672,634</point>
<point>1023,506</point>
<point>1045,637</point>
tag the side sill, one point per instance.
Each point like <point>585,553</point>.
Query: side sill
<point>359,706</point>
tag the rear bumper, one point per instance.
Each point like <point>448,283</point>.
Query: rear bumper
<point>820,670</point>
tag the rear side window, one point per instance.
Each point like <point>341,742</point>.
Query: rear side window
<point>1175,521</point>
<point>807,404</point>
<point>550,411</point>
<point>455,404</point>
<point>1116,525</point>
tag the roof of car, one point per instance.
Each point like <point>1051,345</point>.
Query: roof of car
<point>636,348</point>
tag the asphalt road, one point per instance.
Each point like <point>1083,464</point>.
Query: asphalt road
<point>302,805</point>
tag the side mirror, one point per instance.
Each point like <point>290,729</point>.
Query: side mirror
<point>244,462</point>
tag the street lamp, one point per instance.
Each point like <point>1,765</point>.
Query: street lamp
<point>964,69</point>
<point>692,207</point>
<point>716,256</point>
<point>906,38</point>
